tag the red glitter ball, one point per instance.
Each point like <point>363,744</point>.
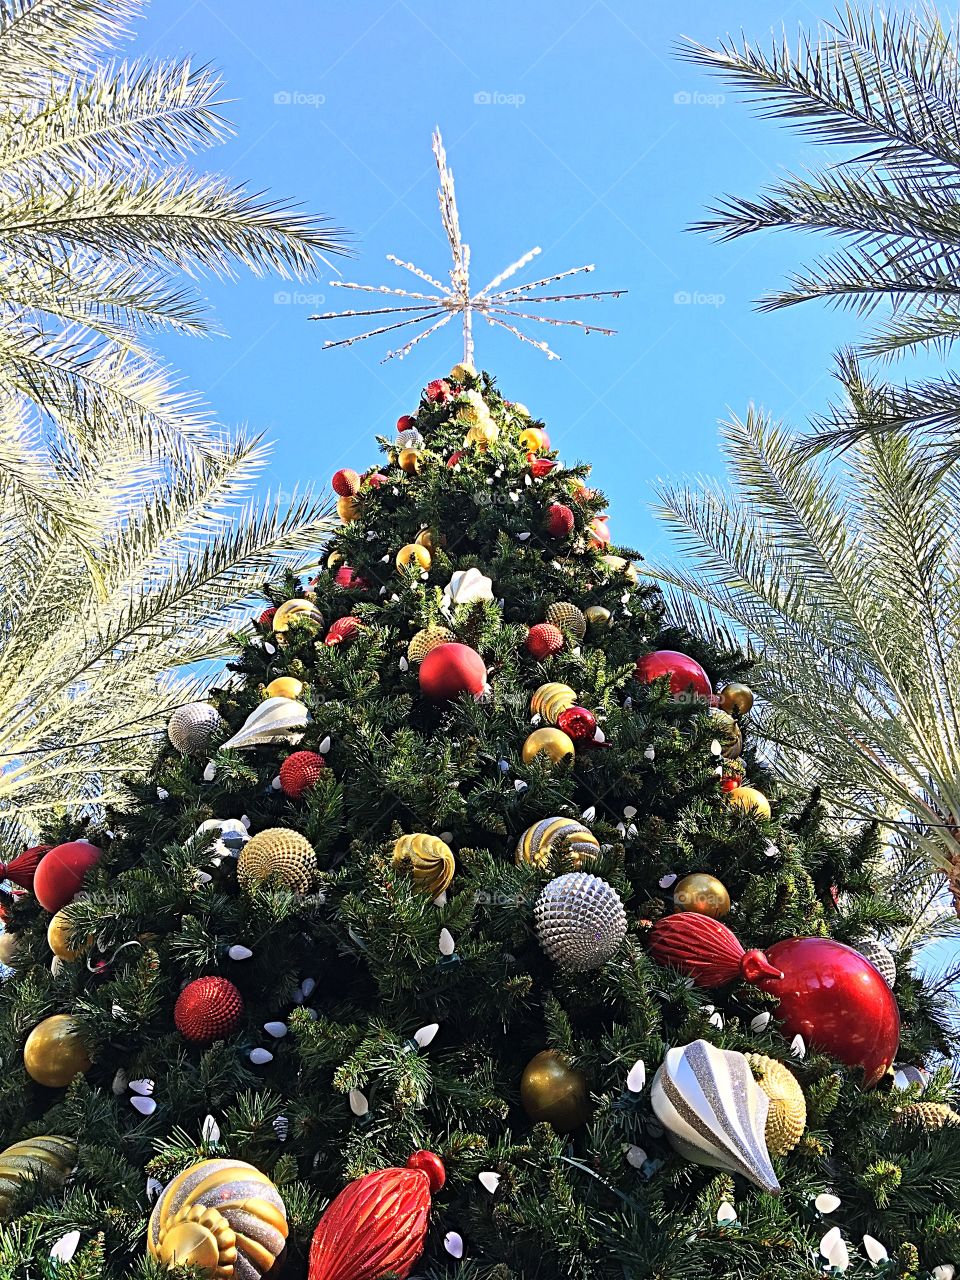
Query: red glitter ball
<point>559,520</point>
<point>345,482</point>
<point>299,772</point>
<point>578,723</point>
<point>208,1009</point>
<point>543,640</point>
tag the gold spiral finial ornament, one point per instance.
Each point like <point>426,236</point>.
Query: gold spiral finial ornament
<point>427,859</point>
<point>787,1114</point>
<point>557,835</point>
<point>297,610</point>
<point>553,743</point>
<point>44,1159</point>
<point>551,699</point>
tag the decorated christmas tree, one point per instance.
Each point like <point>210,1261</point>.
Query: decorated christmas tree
<point>461,933</point>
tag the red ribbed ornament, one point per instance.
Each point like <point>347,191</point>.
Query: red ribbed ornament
<point>377,1224</point>
<point>349,579</point>
<point>706,950</point>
<point>684,672</point>
<point>559,520</point>
<point>599,533</point>
<point>267,616</point>
<point>299,772</point>
<point>23,868</point>
<point>543,639</point>
<point>343,630</point>
<point>345,482</point>
<point>208,1009</point>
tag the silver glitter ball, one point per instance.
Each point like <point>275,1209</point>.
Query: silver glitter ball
<point>409,439</point>
<point>191,727</point>
<point>580,921</point>
<point>879,957</point>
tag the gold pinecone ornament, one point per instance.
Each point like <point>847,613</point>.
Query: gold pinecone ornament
<point>427,859</point>
<point>426,640</point>
<point>568,618</point>
<point>278,854</point>
<point>787,1116</point>
<point>930,1116</point>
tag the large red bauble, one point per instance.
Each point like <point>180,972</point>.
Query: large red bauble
<point>345,482</point>
<point>208,1009</point>
<point>684,673</point>
<point>60,873</point>
<point>578,723</point>
<point>543,639</point>
<point>299,772</point>
<point>452,669</point>
<point>559,520</point>
<point>377,1224</point>
<point>837,1001</point>
<point>405,422</point>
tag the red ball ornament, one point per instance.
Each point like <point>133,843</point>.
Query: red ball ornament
<point>543,639</point>
<point>375,479</point>
<point>22,869</point>
<point>406,422</point>
<point>539,467</point>
<point>599,533</point>
<point>266,617</point>
<point>343,630</point>
<point>60,873</point>
<point>349,579</point>
<point>208,1009</point>
<point>439,391</point>
<point>684,673</point>
<point>377,1224</point>
<point>559,520</point>
<point>729,784</point>
<point>345,482</point>
<point>578,723</point>
<point>455,457</point>
<point>299,772</point>
<point>452,669</point>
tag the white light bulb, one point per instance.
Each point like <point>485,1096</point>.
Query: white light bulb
<point>426,1034</point>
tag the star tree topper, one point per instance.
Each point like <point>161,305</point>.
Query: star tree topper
<point>497,305</point>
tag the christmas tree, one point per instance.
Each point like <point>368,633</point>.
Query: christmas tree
<point>441,869</point>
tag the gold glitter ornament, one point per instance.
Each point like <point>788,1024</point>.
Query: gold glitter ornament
<point>409,461</point>
<point>597,616</point>
<point>552,835</point>
<point>702,893</point>
<point>47,1158</point>
<point>787,1114</point>
<point>414,553</point>
<point>278,854</point>
<point>568,618</point>
<point>427,639</point>
<point>736,699</point>
<point>295,611</point>
<point>284,687</point>
<point>54,1052</point>
<point>427,859</point>
<point>550,699</point>
<point>728,734</point>
<point>750,800</point>
<point>553,743</point>
<point>553,1091</point>
<point>929,1115</point>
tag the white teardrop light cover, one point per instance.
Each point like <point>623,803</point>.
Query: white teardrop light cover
<point>489,1181</point>
<point>637,1076</point>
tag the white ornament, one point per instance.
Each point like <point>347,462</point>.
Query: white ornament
<point>649,753</point>
<point>281,1127</point>
<point>798,1048</point>
<point>324,746</point>
<point>119,1085</point>
<point>143,1087</point>
<point>275,720</point>
<point>358,1103</point>
<point>489,1181</point>
<point>666,881</point>
<point>589,814</point>
<point>239,952</point>
<point>636,1157</point>
<point>945,1271</point>
<point>759,1022</point>
<point>637,1076</point>
<point>453,1243</point>
<point>875,1250</point>
<point>426,1034</point>
<point>447,945</point>
<point>146,1106</point>
<point>210,772</point>
<point>467,586</point>
<point>307,987</point>
<point>276,1029</point>
<point>834,1249</point>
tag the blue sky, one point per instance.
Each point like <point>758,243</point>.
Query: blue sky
<point>596,143</point>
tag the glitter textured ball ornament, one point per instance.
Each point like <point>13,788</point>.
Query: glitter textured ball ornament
<point>451,669</point>
<point>550,699</point>
<point>55,1052</point>
<point>703,893</point>
<point>543,639</point>
<point>552,836</point>
<point>597,616</point>
<point>345,482</point>
<point>426,640</point>
<point>567,617</point>
<point>284,687</point>
<point>535,440</point>
<point>559,521</point>
<point>736,699</point>
<point>377,1225</point>
<point>348,509</point>
<point>208,1009</point>
<point>414,554</point>
<point>275,720</point>
<point>879,957</point>
<point>298,610</point>
<point>281,855</point>
<point>61,872</point>
<point>553,743</point>
<point>409,460</point>
<point>685,674</point>
<point>191,728</point>
<point>552,1090</point>
<point>58,938</point>
<point>427,859</point>
<point>223,1217</point>
<point>750,800</point>
<point>47,1159</point>
<point>787,1114</point>
<point>343,630</point>
<point>299,772</point>
<point>931,1116</point>
<point>714,1112</point>
<point>579,920</point>
<point>579,723</point>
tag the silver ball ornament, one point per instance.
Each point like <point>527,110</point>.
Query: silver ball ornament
<point>879,957</point>
<point>191,727</point>
<point>580,921</point>
<point>410,438</point>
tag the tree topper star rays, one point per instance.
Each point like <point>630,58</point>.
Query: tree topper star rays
<point>497,305</point>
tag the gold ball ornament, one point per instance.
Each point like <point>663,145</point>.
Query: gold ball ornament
<point>222,1216</point>
<point>414,553</point>
<point>931,1116</point>
<point>348,508</point>
<point>702,893</point>
<point>430,539</point>
<point>736,699</point>
<point>409,461</point>
<point>550,699</point>
<point>284,687</point>
<point>426,640</point>
<point>58,938</point>
<point>427,859</point>
<point>555,835</point>
<point>278,854</point>
<point>54,1052</point>
<point>787,1114</point>
<point>750,800</point>
<point>461,372</point>
<point>597,616</point>
<point>728,733</point>
<point>552,1090</point>
<point>617,564</point>
<point>47,1158</point>
<point>532,439</point>
<point>295,611</point>
<point>333,559</point>
<point>8,947</point>
<point>482,436</point>
<point>568,618</point>
<point>553,743</point>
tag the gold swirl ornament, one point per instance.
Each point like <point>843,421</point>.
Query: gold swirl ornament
<point>224,1217</point>
<point>553,835</point>
<point>48,1158</point>
<point>427,859</point>
<point>550,699</point>
<point>787,1115</point>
